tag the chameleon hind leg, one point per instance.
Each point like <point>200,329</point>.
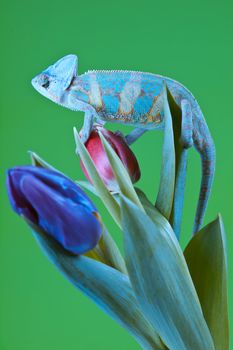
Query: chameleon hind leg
<point>185,141</point>
<point>134,135</point>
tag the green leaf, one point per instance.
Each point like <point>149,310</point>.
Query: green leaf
<point>111,251</point>
<point>161,281</point>
<point>103,192</point>
<point>39,162</point>
<point>87,186</point>
<point>107,287</point>
<point>154,214</point>
<point>165,195</point>
<point>121,174</point>
<point>206,257</point>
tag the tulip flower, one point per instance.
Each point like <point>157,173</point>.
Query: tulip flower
<point>97,153</point>
<point>56,205</point>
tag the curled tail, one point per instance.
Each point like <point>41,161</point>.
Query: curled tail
<point>208,167</point>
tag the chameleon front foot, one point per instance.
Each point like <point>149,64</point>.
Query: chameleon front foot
<point>84,136</point>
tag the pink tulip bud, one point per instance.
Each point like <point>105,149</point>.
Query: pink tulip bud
<point>100,159</point>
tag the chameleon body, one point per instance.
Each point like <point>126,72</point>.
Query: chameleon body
<point>131,98</point>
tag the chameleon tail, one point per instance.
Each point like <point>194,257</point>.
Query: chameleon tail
<point>208,168</point>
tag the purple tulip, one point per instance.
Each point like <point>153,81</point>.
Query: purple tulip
<point>56,205</point>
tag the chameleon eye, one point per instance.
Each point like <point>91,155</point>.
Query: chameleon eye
<point>46,84</point>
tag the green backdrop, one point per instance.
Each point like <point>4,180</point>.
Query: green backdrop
<point>189,41</point>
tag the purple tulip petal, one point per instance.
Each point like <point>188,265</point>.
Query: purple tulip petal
<point>55,204</point>
<point>71,224</point>
<point>18,202</point>
<point>55,180</point>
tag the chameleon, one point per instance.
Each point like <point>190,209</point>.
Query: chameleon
<point>133,98</point>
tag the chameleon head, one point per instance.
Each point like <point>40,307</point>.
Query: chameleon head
<point>56,79</point>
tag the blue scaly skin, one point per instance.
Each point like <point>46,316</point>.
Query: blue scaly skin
<point>134,98</point>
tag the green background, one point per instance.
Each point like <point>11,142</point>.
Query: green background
<point>188,41</point>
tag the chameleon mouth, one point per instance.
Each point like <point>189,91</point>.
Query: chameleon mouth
<point>43,91</point>
<point>34,82</point>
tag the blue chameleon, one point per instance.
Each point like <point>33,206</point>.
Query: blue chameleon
<point>133,98</point>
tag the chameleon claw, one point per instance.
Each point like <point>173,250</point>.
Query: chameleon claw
<point>81,135</point>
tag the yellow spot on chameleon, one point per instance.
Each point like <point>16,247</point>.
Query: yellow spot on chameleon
<point>128,97</point>
<point>95,97</point>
